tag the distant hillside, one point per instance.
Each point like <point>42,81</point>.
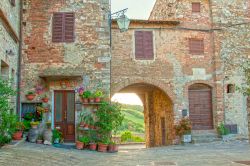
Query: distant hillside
<point>134,118</point>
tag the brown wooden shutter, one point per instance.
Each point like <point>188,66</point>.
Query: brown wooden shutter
<point>148,45</point>
<point>196,46</point>
<point>139,52</point>
<point>63,27</point>
<point>69,22</point>
<point>196,7</point>
<point>58,27</point>
<point>144,49</point>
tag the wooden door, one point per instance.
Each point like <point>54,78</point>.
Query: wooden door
<point>163,131</point>
<point>200,107</point>
<point>64,114</point>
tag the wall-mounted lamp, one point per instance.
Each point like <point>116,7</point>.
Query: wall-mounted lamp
<point>10,52</point>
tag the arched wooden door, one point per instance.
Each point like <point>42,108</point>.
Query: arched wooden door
<point>200,107</point>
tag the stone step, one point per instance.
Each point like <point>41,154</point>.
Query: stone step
<point>205,136</point>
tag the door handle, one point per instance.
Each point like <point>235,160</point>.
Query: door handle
<point>65,115</point>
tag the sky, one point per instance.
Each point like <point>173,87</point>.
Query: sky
<point>137,9</point>
<point>127,98</point>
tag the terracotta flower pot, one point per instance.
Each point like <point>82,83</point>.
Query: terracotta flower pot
<point>30,97</point>
<point>39,141</point>
<point>79,145</point>
<point>112,148</point>
<point>97,99</point>
<point>102,147</point>
<point>91,100</point>
<point>86,126</point>
<point>17,135</point>
<point>92,146</point>
<point>85,100</point>
<point>45,99</point>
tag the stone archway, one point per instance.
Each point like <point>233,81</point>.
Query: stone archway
<point>158,113</point>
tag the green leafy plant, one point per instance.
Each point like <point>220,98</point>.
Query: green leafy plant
<point>84,139</point>
<point>34,123</point>
<point>109,118</point>
<point>98,93</point>
<point>56,134</point>
<point>7,118</point>
<point>86,94</point>
<point>40,137</point>
<point>127,136</point>
<point>222,130</point>
<point>30,93</point>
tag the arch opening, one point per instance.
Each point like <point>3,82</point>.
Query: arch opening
<point>157,110</point>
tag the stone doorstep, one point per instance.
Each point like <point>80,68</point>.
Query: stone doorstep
<point>14,143</point>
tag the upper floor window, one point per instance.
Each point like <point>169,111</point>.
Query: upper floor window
<point>13,2</point>
<point>144,49</point>
<point>196,7</point>
<point>63,29</point>
<point>196,46</point>
<point>230,88</point>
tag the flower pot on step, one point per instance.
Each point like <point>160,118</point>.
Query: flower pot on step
<point>79,145</point>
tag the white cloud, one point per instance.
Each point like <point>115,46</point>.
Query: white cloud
<point>137,9</point>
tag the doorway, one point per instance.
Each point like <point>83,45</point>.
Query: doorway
<point>64,114</point>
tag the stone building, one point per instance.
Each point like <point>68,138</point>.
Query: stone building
<point>9,39</point>
<point>65,45</point>
<point>185,59</point>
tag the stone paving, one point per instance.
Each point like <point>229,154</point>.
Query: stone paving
<point>213,154</point>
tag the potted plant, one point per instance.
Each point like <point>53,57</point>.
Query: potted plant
<point>88,120</point>
<point>34,124</point>
<point>79,144</point>
<point>85,141</point>
<point>112,147</point>
<point>57,136</point>
<point>93,140</point>
<point>85,96</point>
<point>103,144</point>
<point>30,95</point>
<point>19,131</point>
<point>39,139</point>
<point>98,95</point>
<point>183,130</point>
<point>92,98</point>
<point>222,131</point>
<point>45,98</point>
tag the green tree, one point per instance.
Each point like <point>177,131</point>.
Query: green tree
<point>7,118</point>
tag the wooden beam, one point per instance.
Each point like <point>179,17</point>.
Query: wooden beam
<point>8,26</point>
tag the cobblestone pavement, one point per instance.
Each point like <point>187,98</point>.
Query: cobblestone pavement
<point>213,154</point>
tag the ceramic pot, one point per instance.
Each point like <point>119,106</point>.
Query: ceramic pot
<point>102,147</point>
<point>17,135</point>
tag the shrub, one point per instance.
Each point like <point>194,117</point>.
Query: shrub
<point>7,118</point>
<point>183,127</point>
<point>127,136</point>
<point>222,130</point>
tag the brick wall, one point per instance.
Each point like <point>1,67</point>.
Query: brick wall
<point>88,56</point>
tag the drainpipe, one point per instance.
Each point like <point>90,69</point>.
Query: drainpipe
<point>18,106</point>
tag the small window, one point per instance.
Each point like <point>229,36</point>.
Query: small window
<point>13,2</point>
<point>196,46</point>
<point>63,27</point>
<point>230,88</point>
<point>196,7</point>
<point>144,49</point>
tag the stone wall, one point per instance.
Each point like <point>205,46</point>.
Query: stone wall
<point>9,27</point>
<point>87,57</point>
<point>248,110</point>
<point>232,48</point>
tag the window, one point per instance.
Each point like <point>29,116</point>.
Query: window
<point>63,27</point>
<point>13,2</point>
<point>196,7</point>
<point>144,49</point>
<point>4,72</point>
<point>196,46</point>
<point>230,88</point>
